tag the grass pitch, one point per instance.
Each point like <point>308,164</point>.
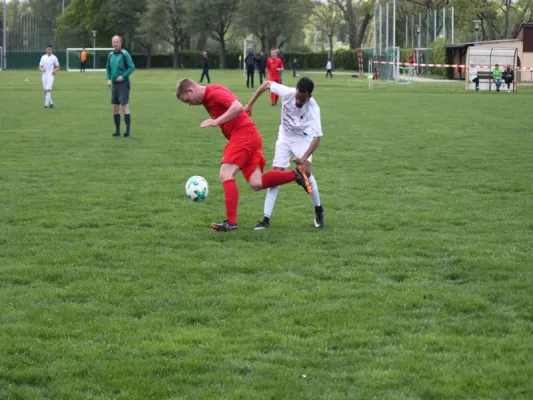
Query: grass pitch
<point>113,286</point>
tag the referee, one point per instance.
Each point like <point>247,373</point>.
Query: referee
<point>119,68</point>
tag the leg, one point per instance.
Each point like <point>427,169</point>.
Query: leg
<point>231,197</point>
<point>252,77</point>
<point>207,76</point>
<point>202,76</point>
<point>124,100</point>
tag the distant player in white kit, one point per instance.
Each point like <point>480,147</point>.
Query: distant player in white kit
<point>299,135</point>
<point>49,65</point>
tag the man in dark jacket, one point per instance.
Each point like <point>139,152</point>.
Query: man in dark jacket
<point>261,66</point>
<point>205,68</point>
<point>508,77</point>
<point>250,62</point>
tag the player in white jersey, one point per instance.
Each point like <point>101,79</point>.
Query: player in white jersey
<point>299,135</point>
<point>49,65</point>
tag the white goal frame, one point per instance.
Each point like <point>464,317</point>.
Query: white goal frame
<point>2,58</point>
<point>88,49</point>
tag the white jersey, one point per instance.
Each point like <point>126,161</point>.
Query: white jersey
<point>297,122</point>
<point>328,65</point>
<point>48,62</point>
<point>473,73</point>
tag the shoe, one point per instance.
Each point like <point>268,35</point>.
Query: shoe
<point>302,179</point>
<point>51,105</point>
<point>319,218</point>
<point>116,134</point>
<point>126,135</point>
<point>265,224</point>
<point>225,226</point>
<point>45,106</point>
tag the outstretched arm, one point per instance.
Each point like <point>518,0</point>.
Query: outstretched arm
<point>262,89</point>
<point>232,112</point>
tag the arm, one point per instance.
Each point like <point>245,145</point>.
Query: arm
<point>56,69</point>
<point>131,66</point>
<point>312,147</point>
<point>262,89</point>
<point>108,70</point>
<point>41,68</point>
<point>232,112</point>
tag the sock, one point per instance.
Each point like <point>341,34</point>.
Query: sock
<point>50,98</point>
<point>46,100</point>
<point>314,194</point>
<point>127,120</point>
<point>276,178</point>
<point>116,117</point>
<point>270,200</point>
<point>274,98</point>
<point>231,197</point>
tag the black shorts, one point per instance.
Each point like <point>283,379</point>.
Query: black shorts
<point>120,93</point>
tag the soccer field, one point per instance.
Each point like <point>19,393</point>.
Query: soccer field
<point>112,285</point>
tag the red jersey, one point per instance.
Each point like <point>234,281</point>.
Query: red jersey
<point>272,64</point>
<point>217,100</point>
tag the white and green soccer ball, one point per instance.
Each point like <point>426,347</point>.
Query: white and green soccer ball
<point>196,188</point>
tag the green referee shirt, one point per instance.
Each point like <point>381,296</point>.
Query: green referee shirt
<point>119,63</point>
<point>496,73</point>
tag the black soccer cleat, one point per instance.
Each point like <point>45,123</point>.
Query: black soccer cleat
<point>265,224</point>
<point>225,226</point>
<point>319,217</point>
<point>116,134</point>
<point>51,105</point>
<point>302,179</point>
<point>126,135</point>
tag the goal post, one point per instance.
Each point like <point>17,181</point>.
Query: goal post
<point>1,58</point>
<point>96,59</point>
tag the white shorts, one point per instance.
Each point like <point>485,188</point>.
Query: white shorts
<point>286,148</point>
<point>48,82</point>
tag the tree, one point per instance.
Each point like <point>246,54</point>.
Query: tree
<point>214,17</point>
<point>327,19</point>
<point>80,18</point>
<point>358,14</point>
<point>274,22</point>
<point>124,18</point>
<point>166,20</point>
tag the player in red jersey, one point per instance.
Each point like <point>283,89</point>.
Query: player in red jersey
<point>274,67</point>
<point>244,150</point>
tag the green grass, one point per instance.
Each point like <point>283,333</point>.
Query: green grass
<point>113,286</point>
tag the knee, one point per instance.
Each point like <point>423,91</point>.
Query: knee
<point>256,186</point>
<point>116,109</point>
<point>125,108</point>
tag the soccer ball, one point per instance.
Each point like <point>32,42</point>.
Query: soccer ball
<point>196,188</point>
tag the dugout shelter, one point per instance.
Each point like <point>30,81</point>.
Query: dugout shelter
<point>485,59</point>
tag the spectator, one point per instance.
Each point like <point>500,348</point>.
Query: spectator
<point>294,65</point>
<point>328,69</point>
<point>205,68</point>
<point>508,77</point>
<point>412,62</point>
<point>497,77</point>
<point>250,62</point>
<point>472,71</point>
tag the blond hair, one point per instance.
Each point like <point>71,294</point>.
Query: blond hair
<point>183,85</point>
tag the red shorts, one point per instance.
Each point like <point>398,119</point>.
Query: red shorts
<point>245,149</point>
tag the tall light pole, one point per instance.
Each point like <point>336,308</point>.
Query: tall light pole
<point>4,36</point>
<point>476,22</point>
<point>330,34</point>
<point>62,6</point>
<point>94,49</point>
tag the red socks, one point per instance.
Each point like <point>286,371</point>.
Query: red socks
<point>231,196</point>
<point>276,178</point>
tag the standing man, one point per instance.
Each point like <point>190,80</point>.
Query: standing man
<point>250,61</point>
<point>119,68</point>
<point>205,68</point>
<point>83,60</point>
<point>274,67</point>
<point>261,66</point>
<point>294,65</point>
<point>508,77</point>
<point>328,69</point>
<point>299,134</point>
<point>244,151</point>
<point>48,65</point>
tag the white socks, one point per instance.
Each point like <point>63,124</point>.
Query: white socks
<point>48,99</point>
<point>270,200</point>
<point>314,194</point>
<point>272,193</point>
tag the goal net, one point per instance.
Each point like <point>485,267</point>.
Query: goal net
<point>387,64</point>
<point>96,59</point>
